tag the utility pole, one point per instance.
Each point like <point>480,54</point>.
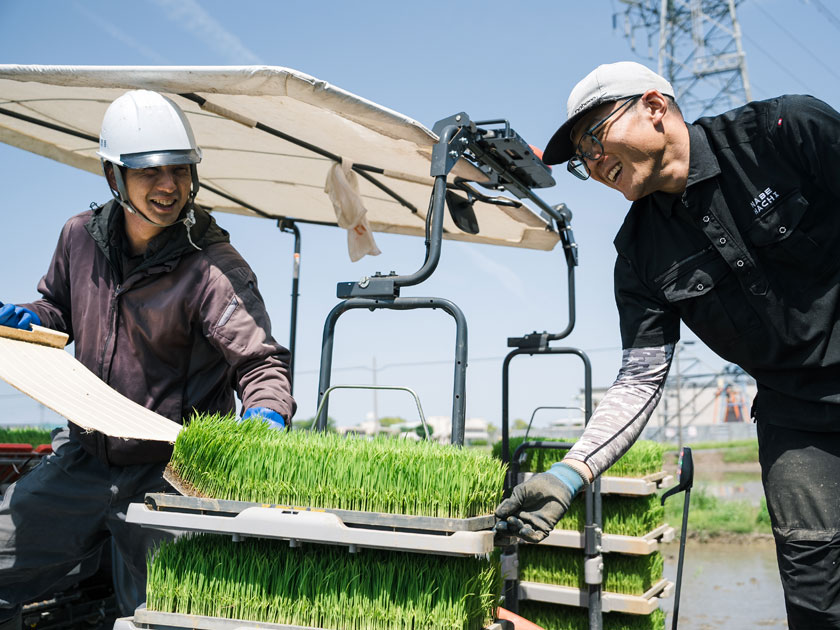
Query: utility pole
<point>697,48</point>
<point>375,398</point>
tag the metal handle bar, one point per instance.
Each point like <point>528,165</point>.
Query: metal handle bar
<point>394,387</point>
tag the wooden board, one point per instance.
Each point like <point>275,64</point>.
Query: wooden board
<point>38,334</point>
<point>35,363</point>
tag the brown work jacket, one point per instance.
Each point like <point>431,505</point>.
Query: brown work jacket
<point>177,333</point>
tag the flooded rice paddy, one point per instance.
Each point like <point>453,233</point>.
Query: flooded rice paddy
<point>727,585</point>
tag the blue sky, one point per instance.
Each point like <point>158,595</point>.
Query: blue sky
<point>426,60</point>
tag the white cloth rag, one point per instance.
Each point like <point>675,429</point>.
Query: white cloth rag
<point>343,189</point>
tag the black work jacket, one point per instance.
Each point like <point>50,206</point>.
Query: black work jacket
<point>748,256</point>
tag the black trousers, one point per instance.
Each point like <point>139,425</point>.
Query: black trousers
<point>801,475</point>
<point>62,512</point>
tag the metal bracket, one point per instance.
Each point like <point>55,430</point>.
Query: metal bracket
<point>593,570</point>
<point>510,564</point>
<point>531,340</point>
<point>455,135</point>
<point>504,147</point>
<point>376,286</point>
<point>592,540</point>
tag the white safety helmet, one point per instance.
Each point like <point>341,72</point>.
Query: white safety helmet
<point>142,129</point>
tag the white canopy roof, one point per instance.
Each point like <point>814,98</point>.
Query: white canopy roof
<point>271,174</point>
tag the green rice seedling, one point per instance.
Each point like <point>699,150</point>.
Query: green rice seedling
<point>624,516</point>
<point>628,574</point>
<point>643,458</point>
<point>320,585</point>
<point>223,458</point>
<point>554,617</point>
<point>24,435</point>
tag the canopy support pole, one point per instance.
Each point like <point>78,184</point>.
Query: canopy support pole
<point>289,227</point>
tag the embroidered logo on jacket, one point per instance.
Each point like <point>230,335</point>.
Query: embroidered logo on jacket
<point>764,200</point>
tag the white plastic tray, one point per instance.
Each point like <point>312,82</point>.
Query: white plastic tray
<point>313,527</point>
<point>634,545</point>
<point>149,619</point>
<point>610,602</point>
<point>630,486</point>
<point>226,507</point>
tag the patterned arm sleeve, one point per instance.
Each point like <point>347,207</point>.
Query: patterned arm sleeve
<point>627,406</point>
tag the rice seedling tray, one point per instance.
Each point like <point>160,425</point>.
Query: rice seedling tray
<point>144,619</point>
<point>311,526</point>
<point>634,545</point>
<point>629,486</point>
<point>352,518</point>
<point>643,604</point>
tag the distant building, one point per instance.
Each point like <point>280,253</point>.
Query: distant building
<point>476,430</point>
<point>703,407</point>
<point>702,400</point>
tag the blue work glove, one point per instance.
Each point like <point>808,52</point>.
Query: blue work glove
<point>17,316</point>
<point>534,507</point>
<point>274,419</point>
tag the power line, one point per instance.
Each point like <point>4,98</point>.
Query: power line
<point>835,21</point>
<point>778,63</point>
<point>801,45</point>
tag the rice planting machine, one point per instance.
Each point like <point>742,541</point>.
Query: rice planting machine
<point>476,176</point>
<point>508,164</point>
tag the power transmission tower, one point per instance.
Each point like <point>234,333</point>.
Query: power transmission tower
<point>697,44</point>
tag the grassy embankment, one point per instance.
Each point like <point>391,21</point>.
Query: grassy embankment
<point>24,435</point>
<point>710,516</point>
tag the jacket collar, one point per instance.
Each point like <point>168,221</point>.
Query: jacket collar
<point>106,227</point>
<point>702,165</point>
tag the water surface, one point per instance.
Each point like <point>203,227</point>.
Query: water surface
<point>726,585</point>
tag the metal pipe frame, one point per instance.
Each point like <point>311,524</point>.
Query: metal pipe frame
<point>288,226</point>
<point>592,492</point>
<point>434,236</point>
<point>401,304</point>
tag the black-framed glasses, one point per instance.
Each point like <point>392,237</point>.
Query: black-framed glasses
<point>589,147</point>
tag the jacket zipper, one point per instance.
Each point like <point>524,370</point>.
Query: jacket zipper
<point>112,324</point>
<point>674,272</point>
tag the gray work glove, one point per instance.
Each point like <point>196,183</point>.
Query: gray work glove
<point>535,506</point>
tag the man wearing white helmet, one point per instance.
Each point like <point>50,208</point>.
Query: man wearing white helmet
<point>161,307</point>
<point>734,229</point>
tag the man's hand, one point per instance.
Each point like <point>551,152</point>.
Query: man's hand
<point>17,317</point>
<point>274,419</point>
<point>535,506</point>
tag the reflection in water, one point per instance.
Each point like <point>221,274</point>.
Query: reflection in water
<point>735,486</point>
<point>734,586</point>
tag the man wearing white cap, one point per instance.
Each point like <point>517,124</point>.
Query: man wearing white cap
<point>734,229</point>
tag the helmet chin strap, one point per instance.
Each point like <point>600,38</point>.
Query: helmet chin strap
<point>121,195</point>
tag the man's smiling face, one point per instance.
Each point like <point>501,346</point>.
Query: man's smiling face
<point>632,147</point>
<point>159,192</point>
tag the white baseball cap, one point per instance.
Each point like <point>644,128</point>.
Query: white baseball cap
<point>605,84</point>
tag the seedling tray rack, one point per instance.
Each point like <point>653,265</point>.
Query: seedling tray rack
<point>356,530</point>
<point>628,486</point>
<point>152,620</point>
<point>643,604</point>
<point>633,545</point>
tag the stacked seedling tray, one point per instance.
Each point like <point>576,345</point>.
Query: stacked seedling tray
<point>299,529</point>
<point>551,573</point>
<point>21,449</point>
